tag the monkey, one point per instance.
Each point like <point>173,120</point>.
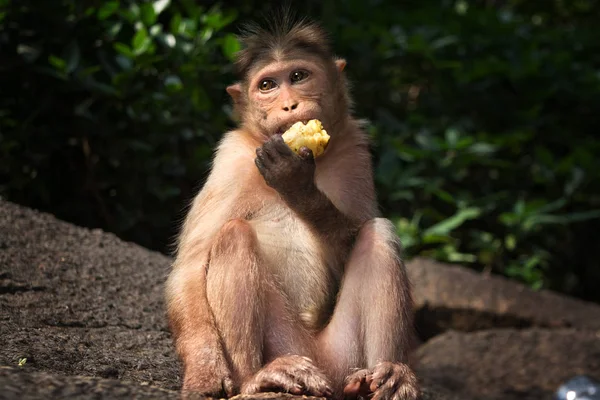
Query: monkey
<point>286,278</point>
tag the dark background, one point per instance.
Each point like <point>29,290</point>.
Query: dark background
<point>483,114</point>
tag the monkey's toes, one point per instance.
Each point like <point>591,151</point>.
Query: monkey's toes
<point>291,374</point>
<point>217,387</point>
<point>390,381</point>
<point>358,384</point>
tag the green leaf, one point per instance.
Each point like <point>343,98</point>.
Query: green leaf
<point>452,136</point>
<point>141,41</point>
<point>168,39</point>
<point>448,225</point>
<point>461,257</point>
<point>443,42</point>
<point>114,29</point>
<point>482,149</point>
<point>57,62</point>
<point>230,46</point>
<point>107,9</point>
<point>124,61</point>
<point>161,5</point>
<point>172,82</point>
<point>148,14</point>
<point>435,239</point>
<point>200,98</point>
<point>510,241</point>
<point>563,219</point>
<point>101,88</point>
<point>176,23</point>
<point>444,195</point>
<point>156,30</point>
<point>217,20</point>
<point>123,49</point>
<point>29,53</point>
<point>553,206</point>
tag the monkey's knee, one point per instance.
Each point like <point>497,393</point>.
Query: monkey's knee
<point>233,262</point>
<point>236,237</point>
<point>378,236</point>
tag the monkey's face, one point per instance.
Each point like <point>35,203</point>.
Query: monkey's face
<point>284,92</point>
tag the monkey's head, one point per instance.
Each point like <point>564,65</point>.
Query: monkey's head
<point>288,73</point>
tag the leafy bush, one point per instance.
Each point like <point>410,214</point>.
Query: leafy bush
<point>117,109</point>
<point>483,119</point>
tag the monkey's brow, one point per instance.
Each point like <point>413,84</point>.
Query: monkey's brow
<point>277,67</point>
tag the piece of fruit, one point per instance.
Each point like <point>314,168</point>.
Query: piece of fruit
<point>311,135</point>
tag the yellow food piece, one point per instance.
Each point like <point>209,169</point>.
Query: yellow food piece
<point>311,135</point>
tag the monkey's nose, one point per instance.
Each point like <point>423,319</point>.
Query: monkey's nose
<point>290,107</point>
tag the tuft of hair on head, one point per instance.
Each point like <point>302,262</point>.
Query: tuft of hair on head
<point>279,35</point>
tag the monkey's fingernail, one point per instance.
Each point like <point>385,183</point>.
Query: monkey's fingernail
<point>296,389</point>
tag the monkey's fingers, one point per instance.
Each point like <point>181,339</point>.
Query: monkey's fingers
<point>282,148</point>
<point>264,156</point>
<point>381,374</point>
<point>275,382</point>
<point>261,166</point>
<point>306,154</point>
<point>292,374</point>
<point>267,152</point>
<point>280,385</point>
<point>352,390</point>
<point>358,384</point>
<point>228,387</point>
<point>394,382</point>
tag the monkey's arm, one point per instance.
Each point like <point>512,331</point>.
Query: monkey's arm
<point>292,175</point>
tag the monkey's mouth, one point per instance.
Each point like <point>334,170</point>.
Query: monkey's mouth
<point>283,128</point>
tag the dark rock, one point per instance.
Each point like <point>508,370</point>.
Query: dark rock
<point>82,302</point>
<point>453,297</point>
<point>83,313</point>
<point>508,364</point>
<point>19,384</point>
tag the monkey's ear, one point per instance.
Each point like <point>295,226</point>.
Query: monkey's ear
<point>235,91</point>
<point>340,63</point>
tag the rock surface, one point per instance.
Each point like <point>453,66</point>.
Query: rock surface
<point>75,301</point>
<point>17,384</point>
<point>453,297</point>
<point>82,312</point>
<point>507,364</point>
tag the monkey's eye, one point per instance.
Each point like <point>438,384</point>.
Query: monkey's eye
<point>298,76</point>
<point>266,84</point>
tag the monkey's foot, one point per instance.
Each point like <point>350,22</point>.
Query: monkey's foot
<point>291,374</point>
<point>211,386</point>
<point>208,376</point>
<point>386,381</point>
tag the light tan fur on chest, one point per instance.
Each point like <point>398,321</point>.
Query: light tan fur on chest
<point>297,261</point>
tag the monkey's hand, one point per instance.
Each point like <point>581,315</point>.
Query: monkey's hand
<point>290,374</point>
<point>386,381</point>
<point>206,371</point>
<point>291,174</point>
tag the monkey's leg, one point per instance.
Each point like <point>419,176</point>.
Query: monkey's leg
<point>234,281</point>
<point>254,323</point>
<point>370,333</point>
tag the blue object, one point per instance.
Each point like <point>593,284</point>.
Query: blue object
<point>579,388</point>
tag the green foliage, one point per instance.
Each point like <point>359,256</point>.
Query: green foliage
<point>118,107</point>
<point>483,118</point>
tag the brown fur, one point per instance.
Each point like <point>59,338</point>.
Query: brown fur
<point>285,278</point>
